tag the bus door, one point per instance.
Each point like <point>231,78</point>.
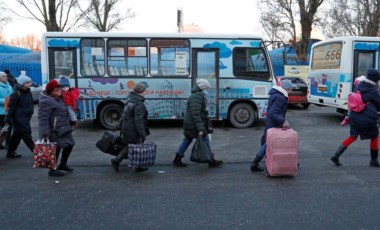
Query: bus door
<point>62,62</point>
<point>364,60</point>
<point>205,65</point>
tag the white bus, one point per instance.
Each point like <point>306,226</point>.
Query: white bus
<point>106,66</point>
<point>334,65</point>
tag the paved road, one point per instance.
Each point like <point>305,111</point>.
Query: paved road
<point>230,197</point>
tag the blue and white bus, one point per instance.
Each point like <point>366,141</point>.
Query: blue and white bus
<point>334,65</point>
<point>106,66</point>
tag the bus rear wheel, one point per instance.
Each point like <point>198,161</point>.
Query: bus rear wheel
<point>242,115</point>
<point>110,116</point>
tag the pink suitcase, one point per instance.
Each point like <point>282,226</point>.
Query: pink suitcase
<point>281,157</point>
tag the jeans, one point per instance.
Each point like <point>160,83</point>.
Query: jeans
<point>186,143</point>
<point>262,151</point>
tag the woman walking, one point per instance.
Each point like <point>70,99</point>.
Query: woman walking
<point>364,123</point>
<point>53,114</point>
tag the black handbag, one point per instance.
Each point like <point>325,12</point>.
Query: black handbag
<point>110,143</point>
<point>200,153</point>
<point>62,131</point>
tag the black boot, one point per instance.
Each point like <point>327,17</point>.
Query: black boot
<point>115,162</point>
<point>177,162</point>
<point>55,173</point>
<point>65,156</point>
<point>374,162</point>
<point>255,166</point>
<point>335,159</point>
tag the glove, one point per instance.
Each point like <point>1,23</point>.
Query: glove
<point>285,124</point>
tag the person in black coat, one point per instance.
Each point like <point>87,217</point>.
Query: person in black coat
<point>276,112</point>
<point>195,123</point>
<point>364,123</point>
<point>53,114</point>
<point>11,79</point>
<point>134,124</point>
<point>20,111</point>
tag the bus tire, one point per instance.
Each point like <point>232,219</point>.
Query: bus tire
<point>242,115</point>
<point>110,116</point>
<point>306,105</point>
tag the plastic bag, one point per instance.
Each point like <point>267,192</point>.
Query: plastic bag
<point>200,153</point>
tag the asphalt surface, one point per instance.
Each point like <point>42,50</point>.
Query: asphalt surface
<point>321,196</point>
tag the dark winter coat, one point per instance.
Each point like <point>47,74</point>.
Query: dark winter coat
<point>53,113</point>
<point>20,110</point>
<point>364,123</point>
<point>196,114</point>
<point>277,106</point>
<point>134,124</point>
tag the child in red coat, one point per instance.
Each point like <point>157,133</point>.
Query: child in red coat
<point>70,95</point>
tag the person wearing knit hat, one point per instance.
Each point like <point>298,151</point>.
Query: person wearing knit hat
<point>196,124</point>
<point>276,113</point>
<point>139,88</point>
<point>373,75</point>
<point>134,124</point>
<point>5,91</point>
<point>64,81</point>
<point>365,122</point>
<point>52,85</point>
<point>203,84</point>
<point>19,115</point>
<point>23,79</point>
<point>54,125</point>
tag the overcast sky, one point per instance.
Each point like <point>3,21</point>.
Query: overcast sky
<point>238,16</point>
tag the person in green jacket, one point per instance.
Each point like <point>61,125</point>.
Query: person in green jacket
<point>195,123</point>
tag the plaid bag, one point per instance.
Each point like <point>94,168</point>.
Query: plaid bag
<point>141,155</point>
<point>44,154</point>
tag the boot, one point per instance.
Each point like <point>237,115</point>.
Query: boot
<point>65,156</point>
<point>115,162</point>
<point>177,162</point>
<point>214,163</point>
<point>55,172</point>
<point>374,162</point>
<point>335,159</point>
<point>64,167</point>
<point>255,166</point>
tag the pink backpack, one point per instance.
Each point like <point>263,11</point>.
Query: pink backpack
<point>355,102</point>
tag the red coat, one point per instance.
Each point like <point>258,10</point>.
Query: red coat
<point>71,96</point>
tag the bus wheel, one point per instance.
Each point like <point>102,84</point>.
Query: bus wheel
<point>110,116</point>
<point>306,105</point>
<point>242,115</point>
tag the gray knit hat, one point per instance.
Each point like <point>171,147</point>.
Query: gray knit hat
<point>287,85</point>
<point>203,84</point>
<point>139,88</point>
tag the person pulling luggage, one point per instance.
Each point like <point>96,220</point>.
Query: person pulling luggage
<point>276,112</point>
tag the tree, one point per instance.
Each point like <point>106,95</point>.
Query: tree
<point>280,18</point>
<point>352,17</point>
<point>101,15</point>
<point>56,15</point>
<point>29,41</point>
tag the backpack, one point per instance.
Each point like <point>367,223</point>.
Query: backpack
<point>355,102</point>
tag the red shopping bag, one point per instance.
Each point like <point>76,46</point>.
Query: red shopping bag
<point>44,154</point>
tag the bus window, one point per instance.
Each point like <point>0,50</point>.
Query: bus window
<point>250,62</point>
<point>366,60</point>
<point>92,57</point>
<point>127,57</point>
<point>169,57</point>
<point>327,56</point>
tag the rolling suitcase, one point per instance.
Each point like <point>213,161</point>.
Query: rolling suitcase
<point>281,158</point>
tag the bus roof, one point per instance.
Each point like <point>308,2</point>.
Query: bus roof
<point>150,35</point>
<point>347,39</point>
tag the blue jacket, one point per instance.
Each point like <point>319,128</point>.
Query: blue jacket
<point>364,123</point>
<point>5,91</point>
<point>277,106</point>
